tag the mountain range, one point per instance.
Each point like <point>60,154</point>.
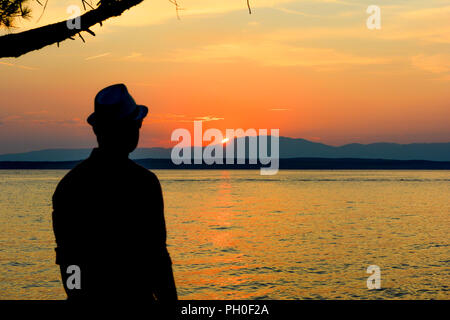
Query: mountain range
<point>289,148</point>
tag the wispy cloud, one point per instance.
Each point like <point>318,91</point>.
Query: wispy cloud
<point>133,55</point>
<point>10,118</point>
<point>444,78</point>
<point>171,117</point>
<point>165,117</point>
<point>279,109</point>
<point>98,56</point>
<point>422,25</point>
<point>427,13</point>
<point>253,23</point>
<point>161,12</point>
<point>35,117</point>
<point>32,113</point>
<point>437,63</point>
<point>272,54</point>
<point>62,122</point>
<point>296,12</point>
<point>208,118</point>
<point>18,66</point>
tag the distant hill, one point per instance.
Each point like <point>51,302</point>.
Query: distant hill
<point>79,154</point>
<point>289,148</point>
<point>295,148</point>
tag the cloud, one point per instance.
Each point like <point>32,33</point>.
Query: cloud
<point>438,63</point>
<point>208,118</point>
<point>32,113</point>
<point>11,118</point>
<point>279,109</point>
<point>28,118</point>
<point>62,122</point>
<point>18,66</point>
<point>151,13</point>
<point>296,12</point>
<point>98,56</point>
<point>165,117</point>
<point>159,12</point>
<point>271,54</point>
<point>171,117</point>
<point>133,55</point>
<point>418,25</point>
<point>336,1</point>
<point>398,23</point>
<point>427,14</point>
<point>445,78</point>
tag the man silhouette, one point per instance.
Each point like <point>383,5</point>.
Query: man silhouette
<point>108,214</point>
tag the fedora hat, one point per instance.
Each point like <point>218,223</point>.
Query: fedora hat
<point>114,104</point>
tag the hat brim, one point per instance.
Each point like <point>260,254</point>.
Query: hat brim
<point>143,111</point>
<point>140,114</point>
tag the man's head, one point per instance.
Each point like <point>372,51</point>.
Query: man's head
<point>117,119</point>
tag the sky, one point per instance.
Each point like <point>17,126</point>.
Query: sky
<point>311,69</point>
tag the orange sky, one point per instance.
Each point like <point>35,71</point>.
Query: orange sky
<point>309,68</point>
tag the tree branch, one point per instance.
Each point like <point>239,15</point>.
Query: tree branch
<point>15,45</point>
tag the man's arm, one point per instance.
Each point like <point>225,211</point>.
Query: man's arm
<point>164,283</point>
<point>165,289</point>
<point>65,229</point>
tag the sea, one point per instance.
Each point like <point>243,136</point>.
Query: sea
<point>234,234</point>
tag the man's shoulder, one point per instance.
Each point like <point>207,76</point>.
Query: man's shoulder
<point>145,173</point>
<point>75,175</point>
